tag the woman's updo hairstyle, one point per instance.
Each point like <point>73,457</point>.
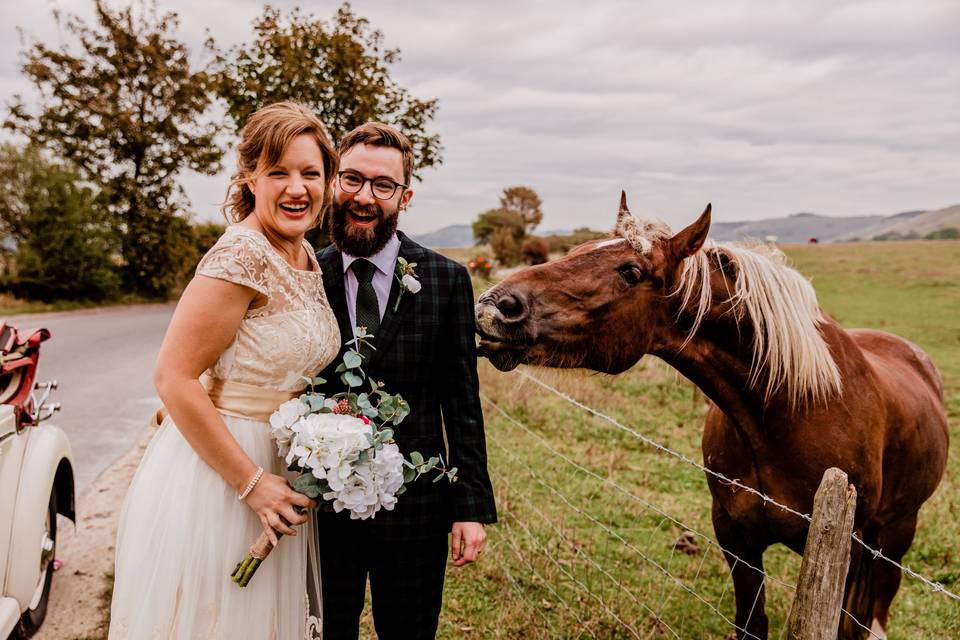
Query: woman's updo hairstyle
<point>262,142</point>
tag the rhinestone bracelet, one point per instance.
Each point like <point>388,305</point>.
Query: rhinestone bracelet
<point>250,485</point>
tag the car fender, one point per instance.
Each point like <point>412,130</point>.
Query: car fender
<point>46,462</point>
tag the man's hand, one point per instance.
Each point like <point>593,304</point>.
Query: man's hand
<point>467,542</point>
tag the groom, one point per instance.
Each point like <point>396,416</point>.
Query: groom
<point>425,351</point>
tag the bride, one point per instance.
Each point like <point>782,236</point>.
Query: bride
<point>248,326</point>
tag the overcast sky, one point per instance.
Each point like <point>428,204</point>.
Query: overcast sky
<point>763,108</point>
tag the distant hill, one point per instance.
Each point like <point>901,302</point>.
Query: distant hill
<point>453,237</point>
<point>921,224</point>
<point>798,227</point>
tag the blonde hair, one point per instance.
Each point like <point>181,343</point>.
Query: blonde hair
<point>263,140</point>
<point>778,302</point>
<point>781,305</point>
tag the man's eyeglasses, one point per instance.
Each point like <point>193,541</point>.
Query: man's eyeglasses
<point>382,187</point>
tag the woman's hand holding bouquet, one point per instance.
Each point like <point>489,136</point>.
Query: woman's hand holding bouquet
<point>343,449</point>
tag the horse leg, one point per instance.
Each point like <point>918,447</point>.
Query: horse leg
<point>895,541</point>
<point>745,558</point>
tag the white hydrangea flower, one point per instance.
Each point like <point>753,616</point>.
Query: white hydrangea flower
<point>329,446</point>
<point>282,421</point>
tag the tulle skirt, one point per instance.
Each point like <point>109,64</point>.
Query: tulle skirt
<point>182,532</point>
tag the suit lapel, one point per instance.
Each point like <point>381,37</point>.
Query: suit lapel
<point>331,263</point>
<point>392,320</point>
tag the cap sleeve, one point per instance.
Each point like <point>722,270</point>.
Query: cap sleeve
<point>237,258</point>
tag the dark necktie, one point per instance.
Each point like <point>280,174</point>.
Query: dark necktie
<point>368,308</point>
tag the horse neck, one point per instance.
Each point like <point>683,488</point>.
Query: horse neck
<point>718,360</point>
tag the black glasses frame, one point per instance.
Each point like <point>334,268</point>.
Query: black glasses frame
<point>364,180</point>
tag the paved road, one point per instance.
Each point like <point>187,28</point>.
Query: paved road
<point>103,360</point>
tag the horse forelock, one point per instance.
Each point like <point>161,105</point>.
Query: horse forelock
<point>641,234</point>
<point>782,307</point>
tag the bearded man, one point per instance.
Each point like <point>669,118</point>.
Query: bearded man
<point>425,351</point>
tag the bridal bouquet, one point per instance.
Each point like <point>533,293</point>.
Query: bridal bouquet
<point>343,449</point>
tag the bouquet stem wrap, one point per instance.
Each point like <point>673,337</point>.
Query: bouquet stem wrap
<point>258,553</point>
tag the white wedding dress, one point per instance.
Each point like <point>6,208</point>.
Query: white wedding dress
<point>182,529</point>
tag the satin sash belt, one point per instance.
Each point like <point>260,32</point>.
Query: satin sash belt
<point>244,400</point>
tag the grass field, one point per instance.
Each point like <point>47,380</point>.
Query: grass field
<point>574,557</point>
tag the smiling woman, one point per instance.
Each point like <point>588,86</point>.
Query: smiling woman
<point>252,323</point>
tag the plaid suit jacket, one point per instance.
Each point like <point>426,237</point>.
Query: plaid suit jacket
<point>426,352</point>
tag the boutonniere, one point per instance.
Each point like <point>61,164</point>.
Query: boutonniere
<point>407,278</point>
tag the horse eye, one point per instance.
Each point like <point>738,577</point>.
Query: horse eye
<point>630,273</point>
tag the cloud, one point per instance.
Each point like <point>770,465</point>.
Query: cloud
<point>763,108</point>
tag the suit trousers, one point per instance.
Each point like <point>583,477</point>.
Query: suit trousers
<point>406,580</point>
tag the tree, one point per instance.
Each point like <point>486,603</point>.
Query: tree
<point>128,109</point>
<point>488,222</point>
<point>505,246</point>
<point>64,246</point>
<point>943,233</point>
<point>535,251</point>
<point>203,235</point>
<point>524,202</point>
<point>340,69</point>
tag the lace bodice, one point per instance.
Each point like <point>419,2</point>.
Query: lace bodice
<point>294,334</point>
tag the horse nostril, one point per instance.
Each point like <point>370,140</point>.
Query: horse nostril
<point>512,308</point>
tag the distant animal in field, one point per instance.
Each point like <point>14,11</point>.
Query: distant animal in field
<point>792,393</point>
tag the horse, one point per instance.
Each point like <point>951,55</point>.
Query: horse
<point>791,392</point>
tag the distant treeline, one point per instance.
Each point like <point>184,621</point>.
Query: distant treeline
<point>946,233</point>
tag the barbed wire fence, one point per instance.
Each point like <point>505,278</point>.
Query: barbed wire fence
<point>573,537</point>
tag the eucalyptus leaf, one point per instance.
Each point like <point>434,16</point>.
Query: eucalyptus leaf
<point>317,381</point>
<point>341,368</point>
<point>352,359</point>
<point>438,478</point>
<point>386,434</point>
<point>307,485</point>
<point>351,379</point>
<point>370,412</point>
<point>416,458</point>
<point>409,474</point>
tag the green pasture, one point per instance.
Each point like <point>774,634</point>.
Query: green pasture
<point>575,557</point>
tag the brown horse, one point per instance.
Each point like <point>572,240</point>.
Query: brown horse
<point>792,393</point>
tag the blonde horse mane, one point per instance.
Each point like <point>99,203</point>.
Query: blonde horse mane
<point>775,299</point>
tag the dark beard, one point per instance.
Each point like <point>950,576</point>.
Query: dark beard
<point>354,241</point>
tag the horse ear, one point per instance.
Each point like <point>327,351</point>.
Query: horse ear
<point>691,239</point>
<point>624,211</point>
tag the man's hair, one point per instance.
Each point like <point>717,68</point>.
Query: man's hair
<point>381,135</point>
<point>264,138</point>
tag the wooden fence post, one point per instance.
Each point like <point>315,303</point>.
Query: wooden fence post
<point>815,614</point>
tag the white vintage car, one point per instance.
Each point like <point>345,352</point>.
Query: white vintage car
<point>36,483</point>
